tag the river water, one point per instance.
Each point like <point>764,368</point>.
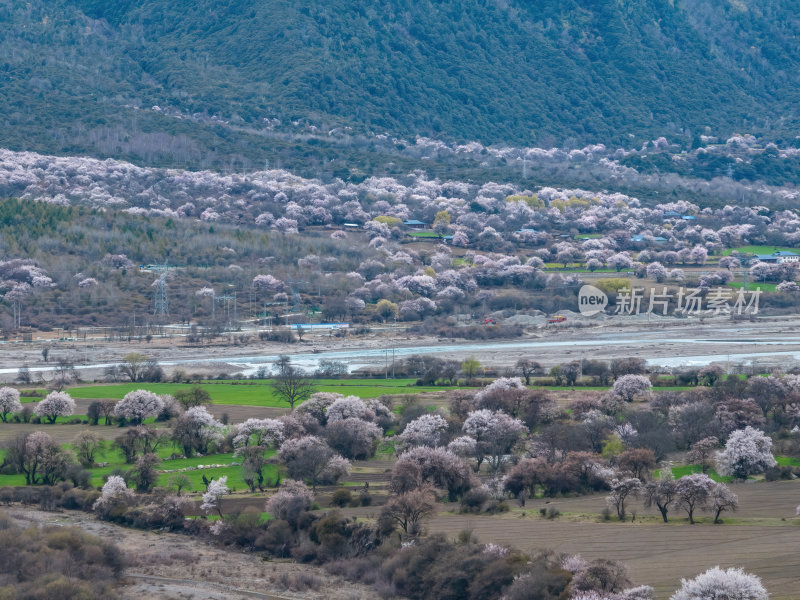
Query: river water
<point>734,349</point>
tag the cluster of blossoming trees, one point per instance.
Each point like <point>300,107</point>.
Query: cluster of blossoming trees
<point>502,441</point>
<point>510,234</point>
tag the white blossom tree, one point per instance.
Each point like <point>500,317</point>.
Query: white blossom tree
<point>353,438</point>
<point>267,432</point>
<point>317,405</point>
<point>138,405</point>
<point>718,584</point>
<point>195,430</point>
<point>312,459</point>
<point>212,498</point>
<point>495,432</point>
<point>747,451</point>
<point>722,499</point>
<point>628,387</point>
<point>115,492</point>
<point>9,402</point>
<point>350,407</point>
<point>621,490</point>
<point>463,446</point>
<point>54,405</point>
<point>291,499</point>
<point>656,270</point>
<point>426,430</point>
<point>437,466</point>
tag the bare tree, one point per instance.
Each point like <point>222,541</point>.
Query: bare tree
<point>722,498</point>
<point>178,482</point>
<point>621,490</point>
<point>702,452</point>
<point>290,384</point>
<point>661,493</point>
<point>639,462</point>
<point>86,445</point>
<point>409,509</point>
<point>528,368</point>
<point>694,492</point>
<point>138,367</point>
<point>193,396</point>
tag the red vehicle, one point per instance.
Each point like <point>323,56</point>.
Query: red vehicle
<point>489,322</point>
<point>556,319</point>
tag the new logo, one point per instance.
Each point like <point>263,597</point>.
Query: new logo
<point>591,300</point>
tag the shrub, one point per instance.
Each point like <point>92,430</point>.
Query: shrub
<point>341,498</point>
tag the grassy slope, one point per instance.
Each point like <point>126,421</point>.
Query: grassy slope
<point>115,460</point>
<point>543,72</point>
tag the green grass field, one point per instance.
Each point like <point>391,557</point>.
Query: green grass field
<point>752,285</point>
<point>680,471</point>
<point>788,461</point>
<point>424,234</point>
<point>602,388</point>
<point>258,392</point>
<point>758,250</point>
<point>575,268</point>
<point>115,460</point>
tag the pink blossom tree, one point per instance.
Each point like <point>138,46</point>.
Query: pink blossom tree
<point>620,261</point>
<point>427,430</point>
<point>291,499</point>
<point>350,407</point>
<point>267,432</point>
<point>268,283</point>
<point>628,387</point>
<point>656,270</point>
<point>621,490</point>
<point>353,438</point>
<point>317,405</point>
<point>311,458</point>
<point>438,467</point>
<point>722,499</point>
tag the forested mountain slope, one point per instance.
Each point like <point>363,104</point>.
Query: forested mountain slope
<point>83,76</point>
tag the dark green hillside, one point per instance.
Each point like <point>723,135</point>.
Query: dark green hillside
<point>83,75</point>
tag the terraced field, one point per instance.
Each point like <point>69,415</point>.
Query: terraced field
<point>763,537</point>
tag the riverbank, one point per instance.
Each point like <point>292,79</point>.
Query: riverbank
<point>670,343</point>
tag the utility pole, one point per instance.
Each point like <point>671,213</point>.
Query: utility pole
<point>227,299</point>
<point>161,299</point>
